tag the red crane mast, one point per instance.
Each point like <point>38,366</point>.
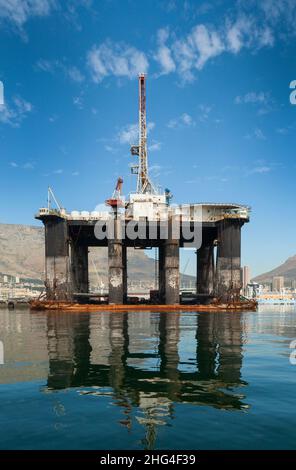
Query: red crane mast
<point>144,184</point>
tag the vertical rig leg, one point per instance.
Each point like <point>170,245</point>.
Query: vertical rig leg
<point>171,269</point>
<point>205,269</point>
<point>229,260</point>
<point>116,282</point>
<point>161,274</point>
<point>124,273</point>
<point>79,267</point>
<point>57,275</point>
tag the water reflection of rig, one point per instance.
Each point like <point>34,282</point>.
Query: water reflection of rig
<point>146,376</point>
<point>69,235</point>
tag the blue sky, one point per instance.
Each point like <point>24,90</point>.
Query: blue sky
<point>221,124</point>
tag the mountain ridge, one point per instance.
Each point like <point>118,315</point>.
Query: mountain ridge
<point>286,269</point>
<point>22,255</point>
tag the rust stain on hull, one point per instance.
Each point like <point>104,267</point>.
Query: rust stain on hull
<point>74,307</point>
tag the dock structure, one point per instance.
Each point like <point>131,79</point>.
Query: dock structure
<point>147,219</point>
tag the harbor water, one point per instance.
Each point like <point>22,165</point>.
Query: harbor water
<point>146,380</point>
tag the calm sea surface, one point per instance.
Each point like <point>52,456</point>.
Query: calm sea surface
<point>148,380</point>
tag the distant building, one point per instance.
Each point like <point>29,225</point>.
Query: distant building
<point>278,283</point>
<point>253,289</point>
<point>5,279</point>
<point>245,277</point>
<point>293,284</point>
<point>17,280</point>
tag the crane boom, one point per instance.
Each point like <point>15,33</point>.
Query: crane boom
<point>115,201</point>
<point>50,194</point>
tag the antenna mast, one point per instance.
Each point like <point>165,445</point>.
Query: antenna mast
<point>144,184</point>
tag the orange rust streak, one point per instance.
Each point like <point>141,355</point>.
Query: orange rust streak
<point>47,305</point>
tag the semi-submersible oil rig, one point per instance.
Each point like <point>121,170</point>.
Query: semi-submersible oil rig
<point>147,219</point>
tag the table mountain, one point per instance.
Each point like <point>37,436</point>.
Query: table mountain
<point>22,254</point>
<point>287,269</point>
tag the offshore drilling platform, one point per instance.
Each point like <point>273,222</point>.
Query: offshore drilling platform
<point>147,219</point>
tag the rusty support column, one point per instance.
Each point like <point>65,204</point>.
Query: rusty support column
<point>124,273</point>
<point>57,269</point>
<point>115,265</point>
<point>79,267</point>
<point>229,260</point>
<point>161,274</point>
<point>171,269</point>
<point>205,269</point>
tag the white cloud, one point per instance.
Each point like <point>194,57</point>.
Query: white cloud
<point>53,118</point>
<point>55,66</point>
<point>193,51</point>
<point>234,38</point>
<point>130,134</point>
<point>155,170</point>
<point>204,112</point>
<point>185,120</point>
<point>155,146</point>
<point>110,148</point>
<point>283,130</point>
<point>172,123</point>
<point>48,65</point>
<point>163,35</point>
<point>259,134</point>
<point>29,166</point>
<point>207,43</point>
<point>189,54</point>
<point>75,74</point>
<point>22,105</point>
<point>280,12</point>
<point>16,112</point>
<point>118,59</point>
<point>169,5</point>
<point>127,135</point>
<point>163,54</point>
<point>246,31</point>
<point>19,11</point>
<point>71,12</point>
<point>25,166</point>
<point>260,170</point>
<point>185,59</point>
<point>150,126</point>
<point>78,102</point>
